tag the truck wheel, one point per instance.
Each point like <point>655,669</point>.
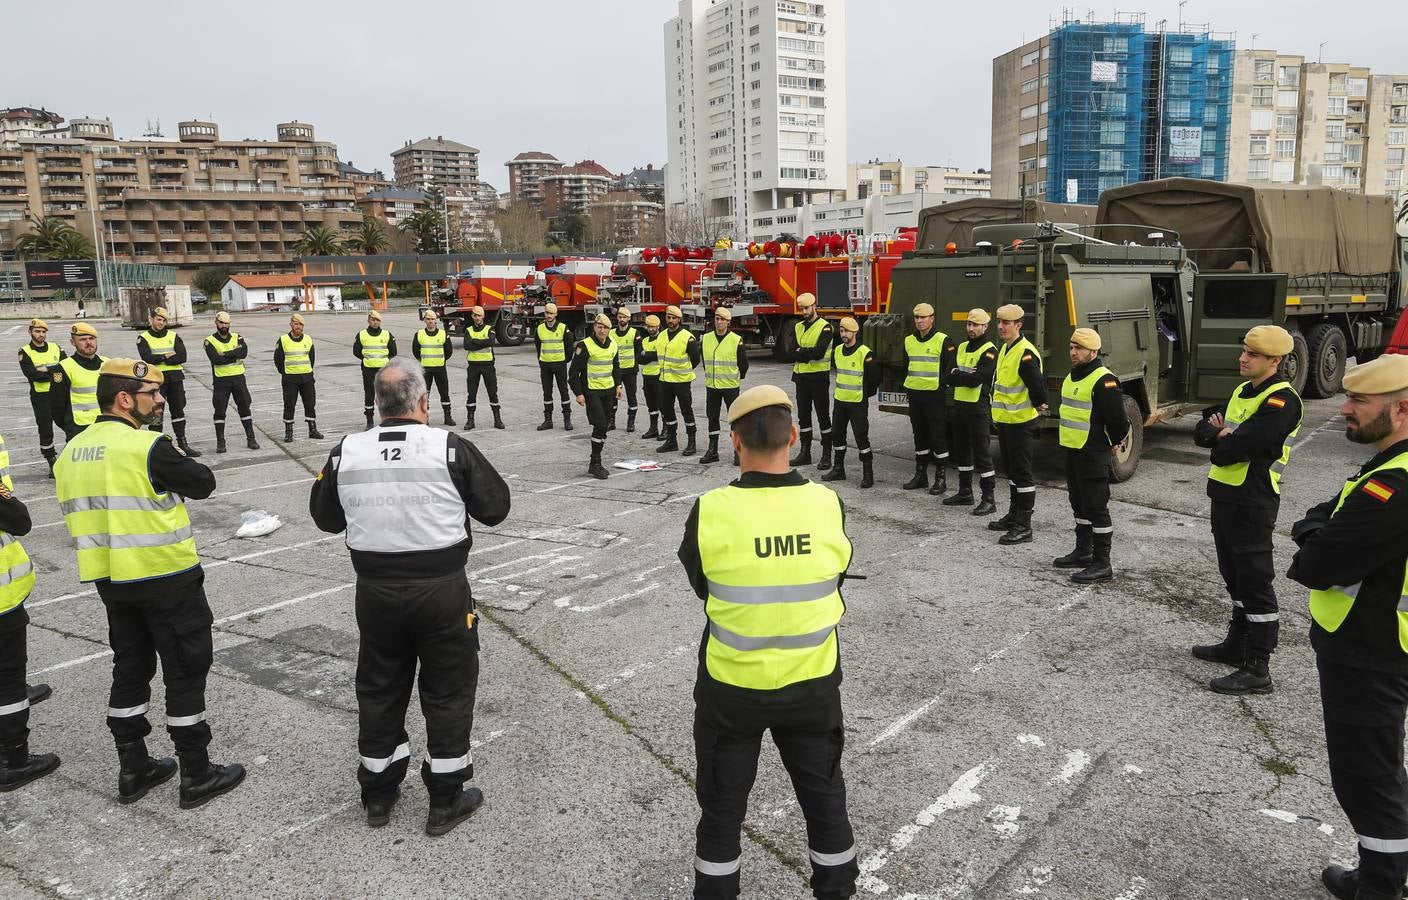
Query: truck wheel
<point>1295,367</point>
<point>511,330</point>
<point>1327,356</point>
<point>1124,459</point>
<point>786,343</point>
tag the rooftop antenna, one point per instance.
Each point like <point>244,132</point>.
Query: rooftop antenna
<point>1255,35</point>
<point>153,128</point>
<point>1181,4</point>
<point>1320,57</point>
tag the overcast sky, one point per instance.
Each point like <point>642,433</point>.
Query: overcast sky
<point>577,79</point>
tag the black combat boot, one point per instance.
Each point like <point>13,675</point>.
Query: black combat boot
<point>547,418</point>
<point>203,780</point>
<point>1254,677</point>
<point>630,420</point>
<point>50,456</point>
<point>689,448</point>
<point>1099,568</point>
<point>964,497</point>
<point>220,438</point>
<point>566,417</point>
<point>18,767</point>
<point>469,419</point>
<point>669,445</point>
<point>804,454</point>
<point>180,429</point>
<point>1006,520</point>
<point>379,811</point>
<point>1344,884</point>
<point>712,454</point>
<point>838,470</point>
<point>443,819</point>
<point>288,432</point>
<point>1084,553</point>
<point>867,472</point>
<point>138,772</point>
<point>940,479</point>
<point>449,416</point>
<point>37,693</point>
<point>595,468</point>
<point>921,475</point>
<point>249,440</point>
<point>498,417</point>
<point>653,432</point>
<point>1232,651</point>
<point>986,506</point>
<point>825,461</point>
<point>313,433</point>
<point>370,423</point>
<point>1020,531</point>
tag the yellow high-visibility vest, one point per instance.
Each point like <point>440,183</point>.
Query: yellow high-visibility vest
<point>808,336</point>
<point>479,356</point>
<point>298,359</point>
<point>654,345</point>
<point>1239,410</point>
<point>432,348</point>
<point>850,373</point>
<point>49,356</point>
<point>675,367</point>
<point>16,571</point>
<point>1076,406</point>
<point>968,356</point>
<point>625,346</point>
<point>229,345</point>
<point>600,365</point>
<point>925,361</point>
<point>1011,401</point>
<point>82,390</point>
<point>721,361</point>
<point>552,343</point>
<point>376,348</point>
<point>159,345</point>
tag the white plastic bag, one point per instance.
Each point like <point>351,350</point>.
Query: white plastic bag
<point>258,523</point>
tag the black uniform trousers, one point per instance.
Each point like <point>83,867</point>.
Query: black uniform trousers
<point>857,416</point>
<point>928,420</point>
<point>225,388</point>
<point>297,387</point>
<point>369,391</point>
<point>629,379</point>
<point>1364,712</point>
<point>439,377</point>
<point>485,372</point>
<point>173,388</point>
<point>813,390</point>
<point>681,392</point>
<point>402,623</point>
<point>1242,536</point>
<point>716,400</point>
<point>173,625</point>
<point>44,421</point>
<point>601,407</point>
<point>547,374</point>
<point>14,698</point>
<point>972,430</point>
<point>650,386</point>
<point>809,736</point>
<point>1088,487</point>
<point>1014,447</point>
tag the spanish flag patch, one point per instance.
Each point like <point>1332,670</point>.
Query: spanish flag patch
<point>1378,490</point>
<point>1112,383</point>
<point>1277,402</point>
<point>989,355</point>
<point>1026,357</point>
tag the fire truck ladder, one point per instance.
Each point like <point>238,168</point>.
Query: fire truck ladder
<point>859,251</point>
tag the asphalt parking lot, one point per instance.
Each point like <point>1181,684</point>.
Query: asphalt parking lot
<point>1009,733</point>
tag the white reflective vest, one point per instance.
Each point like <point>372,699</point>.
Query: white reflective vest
<point>398,495</point>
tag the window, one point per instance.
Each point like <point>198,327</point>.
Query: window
<point>1263,69</point>
<point>1256,146</point>
<point>1111,160</point>
<point>1395,157</point>
<point>1354,153</point>
<point>1357,87</point>
<point>1332,174</point>
<point>1235,300</point>
<point>1285,149</point>
<point>1395,135</point>
<point>1210,167</point>
<point>1258,169</point>
<point>1334,131</point>
<point>1112,132</point>
<point>1179,109</point>
<point>1337,82</point>
<point>1287,98</point>
<point>1262,95</point>
<point>1393,178</point>
<point>1180,54</point>
<point>1261,120</point>
<point>1334,151</point>
<point>1285,124</point>
<point>1284,172</point>
<point>1334,106</point>
<point>1029,85</point>
<point>1031,58</point>
<point>1289,76</point>
<point>887,188</point>
<point>1027,139</point>
<point>1029,112</point>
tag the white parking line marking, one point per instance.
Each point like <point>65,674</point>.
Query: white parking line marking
<point>1136,888</point>
<point>1004,820</point>
<point>904,721</point>
<point>614,600</point>
<point>1040,876</point>
<point>282,603</point>
<point>1030,739</point>
<point>627,674</point>
<point>960,795</point>
<point>1077,761</point>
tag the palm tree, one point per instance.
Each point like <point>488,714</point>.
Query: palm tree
<point>319,241</point>
<point>72,245</point>
<point>426,229</point>
<point>52,238</point>
<point>370,239</point>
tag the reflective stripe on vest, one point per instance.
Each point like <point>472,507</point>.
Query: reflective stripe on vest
<point>49,356</point>
<point>479,356</point>
<point>16,571</point>
<point>1076,406</point>
<point>432,348</point>
<point>968,357</point>
<point>675,366</point>
<point>654,345</point>
<point>297,357</point>
<point>850,374</point>
<point>159,345</point>
<point>925,359</point>
<point>1329,608</point>
<point>807,337</point>
<point>773,558</point>
<point>1011,401</point>
<point>227,370</point>
<point>82,390</point>
<point>721,361</point>
<point>600,364</point>
<point>552,343</point>
<point>1239,410</point>
<point>399,502</point>
<point>625,346</point>
<point>122,528</point>
<point>376,348</point>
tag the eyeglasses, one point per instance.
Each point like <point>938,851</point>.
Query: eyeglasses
<point>151,393</point>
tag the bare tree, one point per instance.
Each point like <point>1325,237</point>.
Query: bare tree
<point>522,228</point>
<point>690,223</point>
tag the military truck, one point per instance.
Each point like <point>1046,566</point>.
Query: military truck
<point>1171,313</point>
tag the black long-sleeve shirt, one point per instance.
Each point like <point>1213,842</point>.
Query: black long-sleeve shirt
<point>870,377</point>
<point>449,346</point>
<point>171,471</point>
<point>982,374</point>
<point>1109,423</point>
<point>948,357</point>
<point>375,332</point>
<point>486,500</point>
<point>485,343</point>
<point>241,351</point>
<point>14,517</point>
<point>644,356</point>
<point>279,359</point>
<point>568,342</point>
<point>1257,441</point>
<point>689,556</point>
<point>822,350</point>
<point>60,403</point>
<point>178,352</point>
<point>577,372</point>
<point>1361,545</point>
<point>32,373</point>
<point>1029,372</point>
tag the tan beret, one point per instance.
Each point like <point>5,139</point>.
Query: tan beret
<point>805,301</point>
<point>431,314</point>
<point>476,311</point>
<point>1088,338</point>
<point>923,309</point>
<point>623,311</point>
<point>1386,375</point>
<point>979,316</point>
<point>161,311</point>
<point>38,323</point>
<point>1010,312</point>
<point>83,328</point>
<point>121,367</point>
<point>602,319</point>
<point>652,321</point>
<point>296,318</point>
<point>1269,340</point>
<point>550,308</point>
<point>222,317</point>
<point>848,323</point>
<point>756,398</point>
<point>674,311</point>
<point>374,314</point>
<point>723,312</point>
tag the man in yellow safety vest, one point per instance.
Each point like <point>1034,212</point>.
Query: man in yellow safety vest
<point>38,359</point>
<point>431,345</point>
<point>725,367</point>
<point>294,357</point>
<point>227,352</point>
<point>73,397</point>
<point>161,347</point>
<point>375,347</point>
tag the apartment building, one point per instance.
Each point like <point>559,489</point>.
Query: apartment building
<point>449,164</point>
<point>24,123</point>
<point>1311,123</point>
<point>573,190</point>
<point>363,183</point>
<point>894,177</point>
<point>755,105</point>
<point>625,219</point>
<point>193,201</point>
<point>526,172</point>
